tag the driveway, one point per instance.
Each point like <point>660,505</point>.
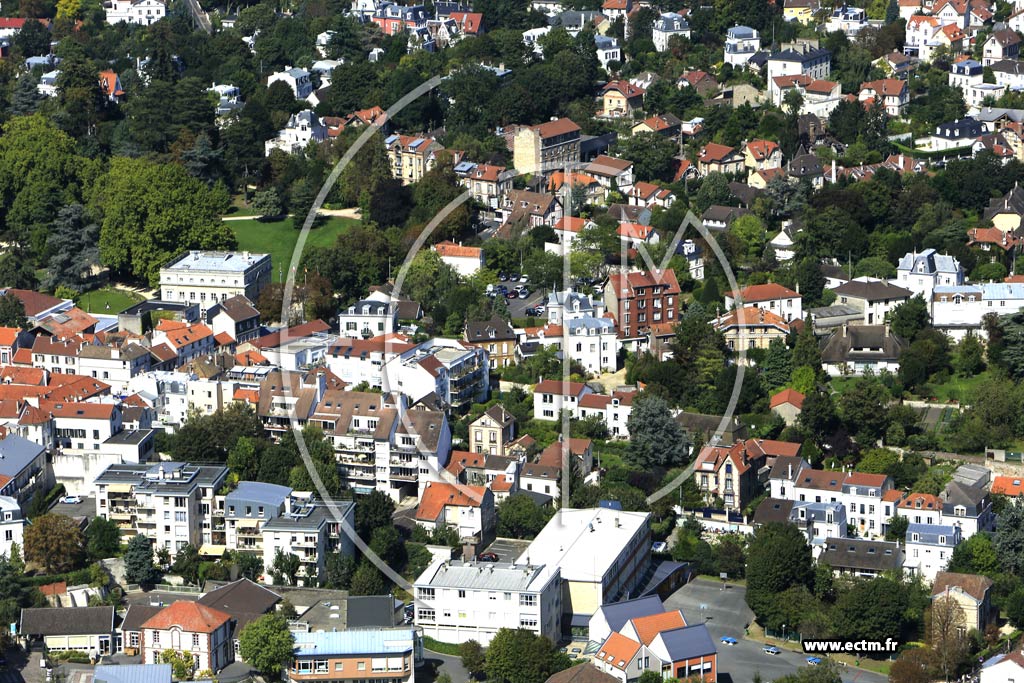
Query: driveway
<point>726,613</point>
<point>507,549</point>
<point>435,662</point>
<point>87,508</point>
<point>517,307</point>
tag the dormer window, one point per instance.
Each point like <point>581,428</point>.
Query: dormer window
<point>960,511</point>
<point>915,537</point>
<point>942,540</point>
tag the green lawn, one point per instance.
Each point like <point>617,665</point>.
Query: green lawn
<point>107,300</point>
<point>278,238</point>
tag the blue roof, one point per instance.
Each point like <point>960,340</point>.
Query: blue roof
<point>618,613</point>
<point>16,454</point>
<point>610,504</point>
<point>133,673</point>
<point>370,641</point>
<point>259,492</point>
<point>688,642</point>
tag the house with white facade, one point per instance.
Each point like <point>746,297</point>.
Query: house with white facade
<point>184,626</point>
<point>143,12</point>
<point>929,548</point>
<point>741,43</point>
<point>310,529</point>
<point>552,396</point>
<point>368,318</point>
<point>959,310</point>
<point>922,272</point>
<point>302,128</point>
<point>463,260</point>
<point>298,80</point>
<point>12,525</point>
<point>875,298</point>
<point>773,297</point>
<point>668,24</point>
<point>207,277</point>
<point>469,510</point>
<point>614,409</point>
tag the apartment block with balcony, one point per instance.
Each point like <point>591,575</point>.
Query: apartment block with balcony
<point>456,373</point>
<point>167,502</point>
<point>310,530</point>
<point>380,654</point>
<point>245,511</point>
<point>280,404</point>
<point>23,469</point>
<point>643,304</point>
<point>367,318</point>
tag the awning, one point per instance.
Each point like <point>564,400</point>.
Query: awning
<point>247,522</point>
<point>119,488</point>
<point>211,550</point>
<point>580,620</point>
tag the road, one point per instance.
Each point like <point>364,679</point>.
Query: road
<point>726,614</point>
<point>435,662</point>
<point>201,18</point>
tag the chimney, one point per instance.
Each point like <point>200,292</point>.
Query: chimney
<point>845,328</point>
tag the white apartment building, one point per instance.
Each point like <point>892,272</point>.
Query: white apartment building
<point>552,396</point>
<point>311,532</point>
<point>929,548</point>
<point>591,342</point>
<point>741,43</point>
<point>207,277</point>
<point>457,373</point>
<point>959,310</point>
<point>302,128</point>
<point>297,79</point>
<point>83,427</point>
<point>773,297</point>
<point>601,554</point>
<point>143,12</point>
<point>458,601</point>
<point>362,360</point>
<point>368,318</point>
<point>12,525</point>
<point>922,273</point>
<point>614,409</point>
<point>237,521</point>
<point>113,365</point>
<point>166,502</point>
<point>875,298</point>
<point>667,25</point>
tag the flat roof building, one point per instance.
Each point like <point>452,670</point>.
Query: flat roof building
<point>209,277</point>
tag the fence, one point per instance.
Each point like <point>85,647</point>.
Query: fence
<point>165,588</point>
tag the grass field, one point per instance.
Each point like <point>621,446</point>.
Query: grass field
<point>107,300</point>
<point>278,238</point>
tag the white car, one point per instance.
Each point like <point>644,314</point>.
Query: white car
<point>71,500</point>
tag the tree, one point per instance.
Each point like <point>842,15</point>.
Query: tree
<point>914,665</point>
<point>372,512</point>
<point>870,610</point>
<point>12,312</point>
<point>1009,538</point>
<point>73,243</point>
<point>102,539</point>
<point>909,318</point>
<point>33,39</point>
<point>26,97</point>
<point>806,350</point>
<point>897,529</point>
<point>250,566</point>
<point>285,568</point>
<point>652,155</point>
<point>521,656</point>
<point>368,580</point>
<point>767,577</point>
<point>777,366</point>
<point>519,516</point>
<point>138,561</point>
<point>152,212</point>
<point>339,570</point>
<point>656,439</point>
<point>1015,608</point>
<point>182,664</point>
<point>267,203</point>
<point>54,542</point>
<point>863,410</point>
<point>826,672</point>
<point>811,281</point>
<point>947,634</point>
<point>473,657</point>
<point>976,555</point>
<point>186,563</point>
<point>970,356</point>
<point>267,645</point>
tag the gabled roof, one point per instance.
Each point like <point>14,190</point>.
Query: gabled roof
<point>761,149</point>
<point>649,627</point>
<point>625,88</point>
<point>439,495</point>
<point>790,396</point>
<point>67,621</point>
<point>554,386</point>
<point>886,87</point>
<point>618,651</point>
<point>714,152</point>
<point>617,614</point>
<point>557,127</point>
<point>1008,486</point>
<point>973,585</point>
<point>766,292</point>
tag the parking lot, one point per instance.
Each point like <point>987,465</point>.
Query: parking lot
<point>87,508</point>
<point>507,549</point>
<point>726,613</point>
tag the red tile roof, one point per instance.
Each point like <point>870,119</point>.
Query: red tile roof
<point>761,149</point>
<point>190,617</point>
<point>626,88</point>
<point>452,250</point>
<point>1008,486</point>
<point>766,292</point>
<point>618,650</point>
<point>712,152</point>
<point>649,627</point>
<point>790,396</point>
<point>438,495</point>
<point>557,127</point>
<point>557,386</point>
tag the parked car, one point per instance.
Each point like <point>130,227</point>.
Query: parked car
<point>511,295</point>
<point>487,557</point>
<point>503,277</point>
<point>524,293</point>
<point>524,278</point>
<point>729,640</point>
<point>814,661</point>
<point>71,500</point>
<point>771,650</point>
<point>659,547</point>
<point>541,309</point>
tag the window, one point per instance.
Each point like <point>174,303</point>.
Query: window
<point>426,593</point>
<point>462,593</point>
<point>426,615</point>
<point>361,666</point>
<point>156,637</point>
<point>527,600</point>
<point>339,666</point>
<point>195,641</point>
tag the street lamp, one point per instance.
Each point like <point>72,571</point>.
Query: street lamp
<point>783,633</point>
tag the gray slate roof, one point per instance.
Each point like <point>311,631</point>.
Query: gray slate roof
<point>860,554</point>
<point>67,621</point>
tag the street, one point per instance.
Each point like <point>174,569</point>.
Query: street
<point>726,614</point>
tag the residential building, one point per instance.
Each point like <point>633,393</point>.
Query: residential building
<point>303,128</point>
<point>848,20</point>
<point>701,81</point>
<point>965,74</point>
<point>387,655</point>
<point>168,502</point>
<point>750,328</point>
<point>668,24</point>
<point>23,469</point>
<point>928,548</point>
<point>236,522</point>
<point>527,209</point>
<point>817,522</point>
<point>787,404</point>
<point>496,336</point>
<point>492,432</point>
<point>209,277</point>
<point>235,317</point>
<point>184,626</point>
<point>84,629</point>
<point>115,365</point>
<point>661,643</point>
<point>650,195</point>
<point>143,12</point>
<point>875,298</point>
<point>621,98</point>
<point>972,593</point>
<point>968,508</point>
<point>12,525</point>
<point>459,601</point>
<point>614,409</point>
<point>552,396</point>
<point>716,158</point>
<point>602,554</point>
<point>891,93</point>
<point>952,135</point>
<point>854,349</point>
<point>728,473</point>
<point>643,304</point>
<point>411,157</point>
<point>760,155</point>
<point>456,373</point>
<point>772,297</point>
<point>1001,44</point>
<point>861,558</point>
<point>922,272</point>
<point>394,19</point>
<point>800,11</point>
<point>550,146</point>
<point>1003,667</point>
<point>918,508</point>
<point>311,530</point>
<point>463,260</point>
<point>298,81</point>
<point>800,59</point>
<point>368,318</point>
<point>487,183</point>
<point>468,510</point>
<point>608,50</point>
<point>741,43</point>
<point>667,125</point>
<point>1009,72</point>
<point>611,173</point>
